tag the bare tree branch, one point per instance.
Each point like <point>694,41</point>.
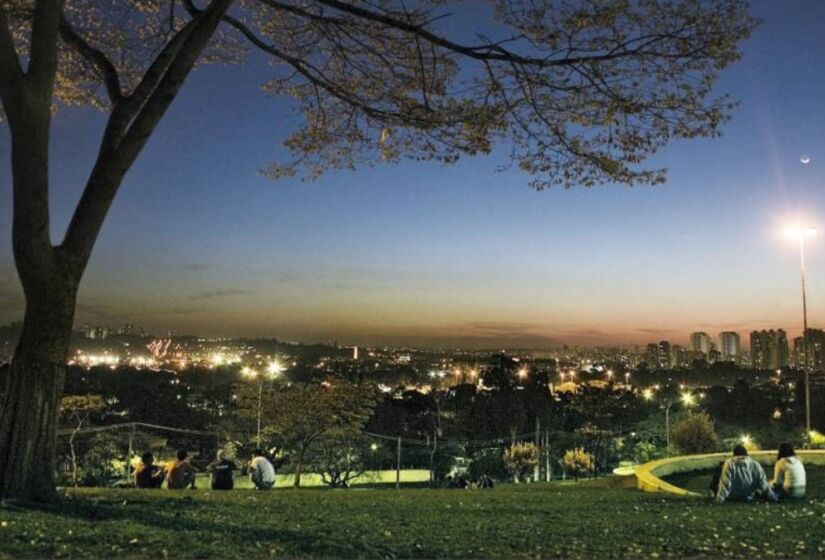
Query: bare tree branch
<point>111,167</point>
<point>103,66</point>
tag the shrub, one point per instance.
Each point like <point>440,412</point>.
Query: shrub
<point>520,459</point>
<point>489,462</point>
<point>577,462</point>
<point>696,434</point>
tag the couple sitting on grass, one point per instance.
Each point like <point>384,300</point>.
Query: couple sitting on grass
<point>182,473</point>
<point>261,471</point>
<point>741,478</point>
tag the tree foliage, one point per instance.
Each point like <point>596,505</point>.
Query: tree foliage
<point>520,460</point>
<point>299,416</point>
<point>580,92</point>
<point>695,434</point>
<point>578,462</point>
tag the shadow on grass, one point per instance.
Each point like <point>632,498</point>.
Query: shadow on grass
<point>185,514</point>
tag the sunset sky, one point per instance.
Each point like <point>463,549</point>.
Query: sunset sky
<point>418,253</point>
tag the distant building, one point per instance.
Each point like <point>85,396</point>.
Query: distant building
<point>769,349</point>
<point>95,333</point>
<point>679,356</point>
<point>665,355</point>
<point>730,346</point>
<point>652,355</point>
<point>700,342</point>
<point>816,349</point>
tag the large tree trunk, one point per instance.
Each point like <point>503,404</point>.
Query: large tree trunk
<point>31,399</point>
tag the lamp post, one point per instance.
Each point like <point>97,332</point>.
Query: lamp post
<point>801,233</point>
<point>272,370</point>
<point>687,400</point>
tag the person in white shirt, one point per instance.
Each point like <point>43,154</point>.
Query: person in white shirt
<point>789,478</point>
<point>261,471</point>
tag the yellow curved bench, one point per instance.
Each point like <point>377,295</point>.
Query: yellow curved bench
<point>649,476</point>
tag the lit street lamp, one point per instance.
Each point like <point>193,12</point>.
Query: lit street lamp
<point>688,400</point>
<point>800,233</point>
<point>272,370</point>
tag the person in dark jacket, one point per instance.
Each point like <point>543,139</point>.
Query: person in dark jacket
<point>222,469</point>
<point>148,474</point>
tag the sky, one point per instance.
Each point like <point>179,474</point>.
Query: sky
<point>199,242</point>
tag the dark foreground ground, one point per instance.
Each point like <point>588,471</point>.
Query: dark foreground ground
<point>578,520</point>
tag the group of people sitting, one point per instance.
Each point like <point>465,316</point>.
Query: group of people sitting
<point>741,478</point>
<point>182,473</point>
<point>460,482</point>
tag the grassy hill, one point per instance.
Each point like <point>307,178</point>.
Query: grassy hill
<point>578,520</point>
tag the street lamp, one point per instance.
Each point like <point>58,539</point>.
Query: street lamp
<point>800,233</point>
<point>688,400</point>
<point>272,369</point>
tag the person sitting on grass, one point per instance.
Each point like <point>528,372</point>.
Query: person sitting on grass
<point>743,478</point>
<point>261,471</point>
<point>486,481</point>
<point>222,470</point>
<point>182,473</point>
<point>148,474</point>
<point>788,474</point>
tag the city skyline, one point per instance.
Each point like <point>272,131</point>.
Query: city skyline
<point>463,256</point>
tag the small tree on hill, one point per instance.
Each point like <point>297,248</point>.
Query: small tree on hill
<point>578,462</point>
<point>695,434</point>
<point>299,416</point>
<point>340,459</point>
<point>77,409</point>
<point>520,460</point>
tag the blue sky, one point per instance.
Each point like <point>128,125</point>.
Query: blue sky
<point>198,242</point>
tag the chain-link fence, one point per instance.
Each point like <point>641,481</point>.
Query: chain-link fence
<point>108,455</point>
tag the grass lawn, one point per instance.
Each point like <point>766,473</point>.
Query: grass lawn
<point>310,480</point>
<point>579,520</point>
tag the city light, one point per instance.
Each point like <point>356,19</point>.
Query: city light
<point>248,372</point>
<point>274,368</point>
<point>647,394</point>
<point>522,373</point>
<point>688,399</point>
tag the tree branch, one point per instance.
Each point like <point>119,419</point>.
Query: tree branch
<point>11,73</point>
<point>104,67</point>
<point>114,161</point>
<point>495,51</point>
<point>44,52</point>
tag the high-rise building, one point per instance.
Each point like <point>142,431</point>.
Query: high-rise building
<point>679,356</point>
<point>816,349</point>
<point>700,342</point>
<point>769,349</point>
<point>664,355</point>
<point>652,356</point>
<point>729,346</point>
